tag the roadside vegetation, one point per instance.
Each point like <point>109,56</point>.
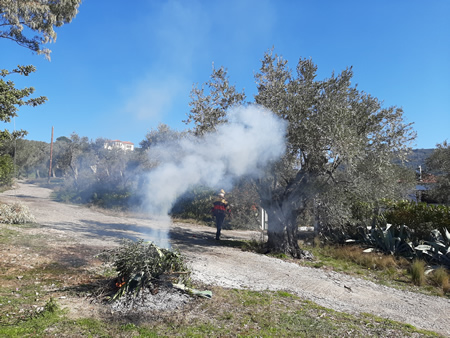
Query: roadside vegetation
<point>384,269</point>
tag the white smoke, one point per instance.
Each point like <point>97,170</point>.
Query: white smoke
<point>252,137</point>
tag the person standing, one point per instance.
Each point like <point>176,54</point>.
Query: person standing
<point>219,210</point>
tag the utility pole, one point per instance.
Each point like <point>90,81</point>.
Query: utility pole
<point>51,155</point>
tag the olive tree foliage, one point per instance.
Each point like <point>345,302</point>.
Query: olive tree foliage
<point>340,143</point>
<point>439,163</point>
<point>207,111</point>
<point>12,98</point>
<point>31,23</point>
<point>160,135</point>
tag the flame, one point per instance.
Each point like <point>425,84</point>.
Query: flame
<point>120,284</point>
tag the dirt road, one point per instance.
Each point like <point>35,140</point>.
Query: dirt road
<point>228,267</point>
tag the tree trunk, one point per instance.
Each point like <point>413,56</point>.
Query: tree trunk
<point>283,232</point>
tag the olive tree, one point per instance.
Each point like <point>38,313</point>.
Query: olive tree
<point>439,162</point>
<point>341,144</point>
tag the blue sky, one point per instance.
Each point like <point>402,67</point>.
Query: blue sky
<point>121,68</point>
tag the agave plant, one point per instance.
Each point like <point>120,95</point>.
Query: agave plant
<point>437,249</point>
<point>393,240</point>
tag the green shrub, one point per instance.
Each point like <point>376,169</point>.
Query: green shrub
<point>422,218</point>
<point>6,170</point>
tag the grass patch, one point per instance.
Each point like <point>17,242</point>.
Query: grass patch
<point>229,313</point>
<point>417,271</point>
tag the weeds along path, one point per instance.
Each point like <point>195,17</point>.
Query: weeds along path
<point>215,264</point>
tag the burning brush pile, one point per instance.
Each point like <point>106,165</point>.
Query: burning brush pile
<point>148,278</point>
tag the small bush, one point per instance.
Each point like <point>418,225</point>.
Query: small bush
<point>51,306</point>
<point>16,213</point>
<point>422,218</point>
<point>417,271</point>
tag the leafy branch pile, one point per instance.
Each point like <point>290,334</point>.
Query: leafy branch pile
<point>143,265</point>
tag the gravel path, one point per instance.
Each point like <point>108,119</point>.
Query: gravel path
<point>213,264</point>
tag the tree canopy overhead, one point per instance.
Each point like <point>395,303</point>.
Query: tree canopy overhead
<point>19,20</point>
<point>341,142</point>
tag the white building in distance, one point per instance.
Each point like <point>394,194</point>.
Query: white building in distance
<point>117,144</point>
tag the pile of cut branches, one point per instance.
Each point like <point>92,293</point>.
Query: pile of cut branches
<point>144,266</point>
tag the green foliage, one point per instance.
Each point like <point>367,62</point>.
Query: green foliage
<point>195,204</point>
<point>51,306</point>
<point>437,249</point>
<point>6,170</point>
<point>141,265</point>
<point>209,110</point>
<point>397,240</point>
<point>393,240</point>
<point>108,197</point>
<point>38,17</point>
<point>11,98</point>
<point>439,163</point>
<point>163,134</point>
<point>421,218</point>
<point>31,157</point>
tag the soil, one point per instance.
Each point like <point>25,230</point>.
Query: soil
<point>83,232</point>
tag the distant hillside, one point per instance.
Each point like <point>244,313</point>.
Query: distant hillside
<point>418,157</point>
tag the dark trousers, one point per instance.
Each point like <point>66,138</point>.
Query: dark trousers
<point>219,222</point>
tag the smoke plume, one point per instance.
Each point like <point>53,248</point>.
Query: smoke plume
<point>252,137</point>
